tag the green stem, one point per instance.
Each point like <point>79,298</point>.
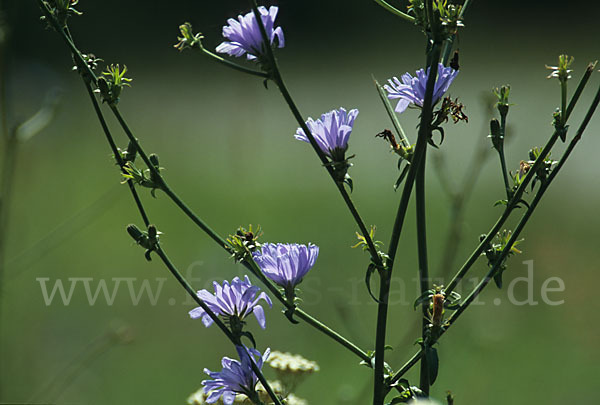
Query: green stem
<point>332,334</point>
<point>386,274</point>
<point>116,153</point>
<point>392,114</point>
<point>423,265</point>
<point>507,186</point>
<point>188,288</point>
<point>516,233</point>
<point>521,189</point>
<point>278,79</point>
<point>251,265</point>
<point>525,218</point>
<point>232,65</point>
<point>407,366</point>
<point>449,44</point>
<point>563,102</point>
<point>586,77</point>
<point>395,11</point>
<point>164,186</point>
<point>340,185</point>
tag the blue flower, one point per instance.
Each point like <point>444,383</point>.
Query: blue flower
<point>412,89</point>
<point>235,378</point>
<point>238,299</point>
<point>286,264</point>
<point>331,132</point>
<point>243,35</point>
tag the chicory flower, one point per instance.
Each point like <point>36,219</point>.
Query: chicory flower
<point>412,89</point>
<point>286,264</point>
<point>238,300</point>
<point>235,377</point>
<point>331,132</point>
<point>243,35</point>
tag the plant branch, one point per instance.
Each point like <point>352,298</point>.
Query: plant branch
<point>516,233</point>
<point>236,342</point>
<point>423,265</point>
<point>521,189</point>
<point>395,11</point>
<point>116,154</point>
<point>232,65</point>
<point>278,79</point>
<point>386,274</point>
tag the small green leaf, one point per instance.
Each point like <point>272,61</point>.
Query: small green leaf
<point>432,363</point>
<point>402,176</point>
<point>368,275</point>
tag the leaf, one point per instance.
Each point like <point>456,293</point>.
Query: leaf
<point>400,400</point>
<point>370,271</point>
<point>289,313</point>
<point>498,280</point>
<point>422,298</point>
<point>433,362</point>
<point>349,182</point>
<point>402,176</point>
<point>390,111</point>
<point>250,338</point>
<point>500,202</point>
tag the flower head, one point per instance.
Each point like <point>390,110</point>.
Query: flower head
<point>286,264</point>
<point>235,300</point>
<point>331,132</point>
<point>235,378</point>
<point>412,89</point>
<point>243,35</point>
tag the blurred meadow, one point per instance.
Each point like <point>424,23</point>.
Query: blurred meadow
<point>228,150</point>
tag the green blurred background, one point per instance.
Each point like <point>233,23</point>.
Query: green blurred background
<point>228,150</point>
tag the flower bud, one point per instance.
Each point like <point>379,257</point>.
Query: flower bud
<point>496,134</point>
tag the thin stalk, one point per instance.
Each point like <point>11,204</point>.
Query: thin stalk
<point>586,76</point>
<point>251,265</point>
<point>386,274</point>
<point>332,334</point>
<point>407,366</point>
<point>340,186</point>
<point>521,189</point>
<point>507,187</point>
<point>563,102</point>
<point>164,186</point>
<point>392,114</point>
<point>528,213</point>
<point>423,265</point>
<point>395,11</point>
<point>232,65</point>
<point>278,79</point>
<point>236,342</point>
<point>516,233</point>
<point>450,43</point>
<point>116,154</point>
